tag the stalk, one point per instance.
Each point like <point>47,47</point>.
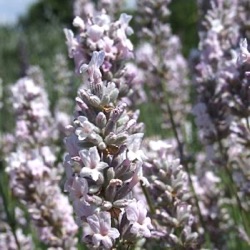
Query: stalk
<point>10,219</point>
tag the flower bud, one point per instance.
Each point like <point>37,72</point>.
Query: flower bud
<point>105,99</point>
<point>94,101</point>
<point>113,95</point>
<point>95,139</point>
<point>111,189</point>
<point>101,120</point>
<point>102,146</point>
<point>120,203</point>
<point>110,174</point>
<point>106,205</point>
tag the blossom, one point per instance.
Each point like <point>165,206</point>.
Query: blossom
<point>92,164</point>
<point>78,22</point>
<point>100,230</point>
<point>78,189</point>
<point>94,72</point>
<point>71,42</point>
<point>83,209</point>
<point>33,174</point>
<point>136,213</point>
<point>134,143</point>
<point>124,45</point>
<point>244,55</point>
<point>100,174</point>
<point>95,32</point>
<point>85,128</point>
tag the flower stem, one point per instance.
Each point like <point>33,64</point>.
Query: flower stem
<point>10,218</point>
<point>148,198</point>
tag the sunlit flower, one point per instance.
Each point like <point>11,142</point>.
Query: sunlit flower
<point>136,213</point>
<point>103,235</point>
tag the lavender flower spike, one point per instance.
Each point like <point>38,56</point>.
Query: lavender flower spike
<point>104,160</point>
<point>33,173</point>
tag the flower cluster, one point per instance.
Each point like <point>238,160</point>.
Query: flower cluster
<point>182,191</point>
<point>222,109</point>
<point>12,237</point>
<point>31,168</point>
<point>159,55</point>
<point>170,198</point>
<point>104,163</point>
<point>85,8</point>
<point>212,72</point>
<point>100,33</point>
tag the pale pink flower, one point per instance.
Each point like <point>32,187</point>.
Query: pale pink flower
<point>244,55</point>
<point>93,67</point>
<point>103,235</point>
<point>136,213</point>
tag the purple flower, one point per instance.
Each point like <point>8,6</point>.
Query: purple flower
<point>244,55</point>
<point>85,128</point>
<point>83,209</point>
<point>71,42</point>
<point>94,72</point>
<point>136,213</point>
<point>134,143</point>
<point>78,22</point>
<point>95,32</point>
<point>78,188</point>
<point>100,231</point>
<point>92,164</point>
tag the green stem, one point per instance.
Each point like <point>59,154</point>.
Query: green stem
<point>11,221</point>
<point>148,198</point>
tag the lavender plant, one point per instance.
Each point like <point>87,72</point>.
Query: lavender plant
<point>85,8</point>
<point>222,98</point>
<point>31,168</point>
<point>171,209</point>
<point>126,193</point>
<point>159,55</point>
<point>98,33</point>
<point>104,163</point>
